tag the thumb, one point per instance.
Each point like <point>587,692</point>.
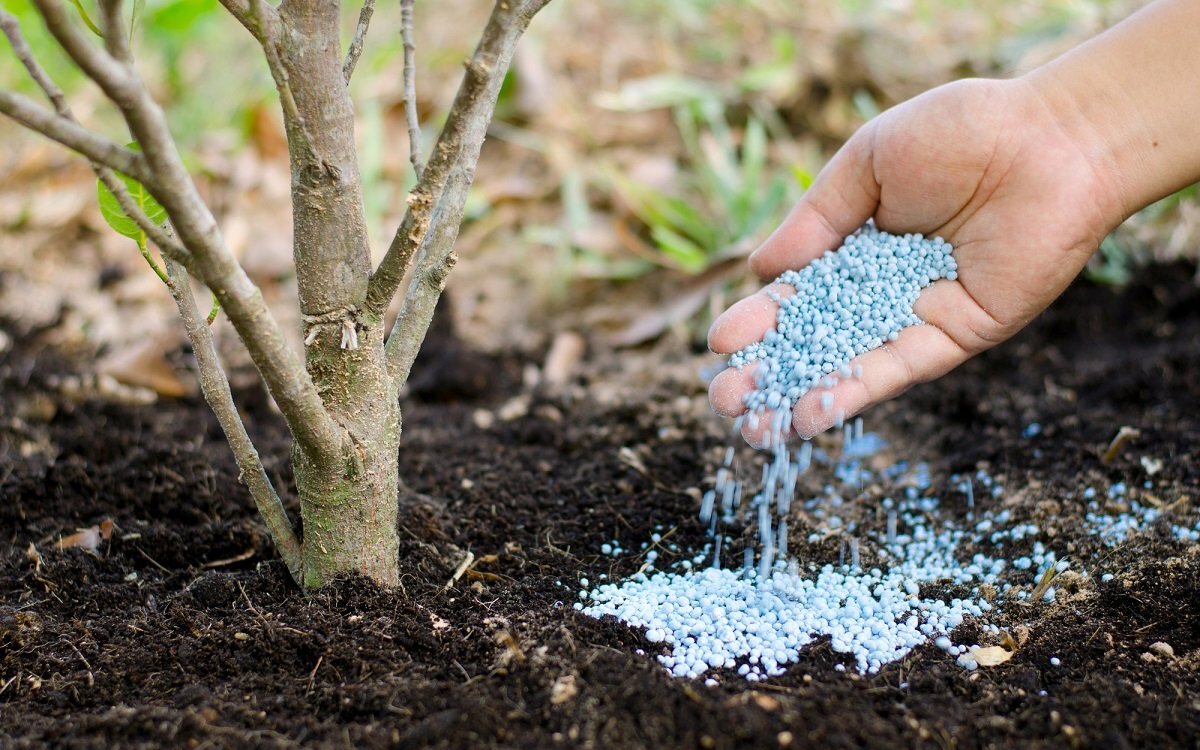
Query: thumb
<point>841,199</point>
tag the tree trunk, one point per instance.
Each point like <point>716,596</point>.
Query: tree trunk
<point>348,505</point>
<point>350,512</point>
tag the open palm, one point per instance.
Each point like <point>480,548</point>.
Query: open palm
<point>983,164</point>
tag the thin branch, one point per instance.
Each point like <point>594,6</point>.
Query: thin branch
<point>316,432</point>
<point>66,129</point>
<point>360,36</point>
<point>168,244</point>
<point>436,261</point>
<point>113,77</point>
<point>12,30</point>
<point>75,137</point>
<point>263,19</point>
<point>165,242</point>
<point>240,9</point>
<point>459,143</point>
<point>433,227</point>
<point>215,386</point>
<point>410,86</point>
<point>116,37</point>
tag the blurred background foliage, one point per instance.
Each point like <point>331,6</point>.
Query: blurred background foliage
<point>641,148</point>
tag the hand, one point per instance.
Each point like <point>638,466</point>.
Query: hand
<point>988,166</point>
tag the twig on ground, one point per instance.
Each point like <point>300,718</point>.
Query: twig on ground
<point>460,570</point>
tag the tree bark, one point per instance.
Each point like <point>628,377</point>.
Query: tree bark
<point>349,506</point>
<point>350,509</point>
<point>342,405</point>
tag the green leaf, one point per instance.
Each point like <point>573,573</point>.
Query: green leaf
<point>87,20</point>
<point>115,216</point>
<point>689,256</point>
<point>768,209</point>
<point>754,152</point>
<point>802,176</point>
<point>657,209</point>
<point>138,7</point>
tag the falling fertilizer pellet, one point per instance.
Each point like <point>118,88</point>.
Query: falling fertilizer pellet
<point>882,593</point>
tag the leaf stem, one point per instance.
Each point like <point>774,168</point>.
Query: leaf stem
<point>87,20</point>
<point>215,311</point>
<point>141,243</point>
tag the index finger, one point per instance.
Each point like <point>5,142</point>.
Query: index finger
<point>844,195</point>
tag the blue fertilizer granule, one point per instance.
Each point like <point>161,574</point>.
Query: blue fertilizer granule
<point>756,623</point>
<point>846,303</point>
<point>755,616</point>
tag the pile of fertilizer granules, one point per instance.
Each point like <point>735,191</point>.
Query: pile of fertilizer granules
<point>755,619</point>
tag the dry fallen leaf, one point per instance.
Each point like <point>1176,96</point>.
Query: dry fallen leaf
<point>32,555</point>
<point>630,458</point>
<point>88,539</point>
<point>1022,632</point>
<point>562,361</point>
<point>145,364</point>
<point>85,539</point>
<point>990,656</point>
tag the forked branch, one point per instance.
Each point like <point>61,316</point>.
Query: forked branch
<point>241,10</point>
<point>166,178</point>
<point>435,207</point>
<point>75,137</point>
<point>12,30</point>
<point>213,382</point>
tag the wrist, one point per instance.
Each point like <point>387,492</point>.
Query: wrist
<point>1127,98</point>
<point>1078,116</point>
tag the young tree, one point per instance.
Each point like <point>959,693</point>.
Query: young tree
<point>341,403</point>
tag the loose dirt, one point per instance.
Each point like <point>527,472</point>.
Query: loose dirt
<point>182,630</point>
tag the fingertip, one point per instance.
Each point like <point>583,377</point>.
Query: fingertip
<point>763,430</point>
<point>747,320</point>
<point>727,391</point>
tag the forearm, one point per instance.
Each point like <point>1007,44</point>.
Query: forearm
<point>1131,98</point>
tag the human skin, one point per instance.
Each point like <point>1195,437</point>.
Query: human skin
<point>1024,177</point>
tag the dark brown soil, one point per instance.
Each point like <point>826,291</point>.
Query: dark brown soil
<point>183,631</point>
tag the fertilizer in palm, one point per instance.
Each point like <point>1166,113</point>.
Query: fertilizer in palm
<point>757,619</point>
<point>752,611</point>
<point>846,303</point>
